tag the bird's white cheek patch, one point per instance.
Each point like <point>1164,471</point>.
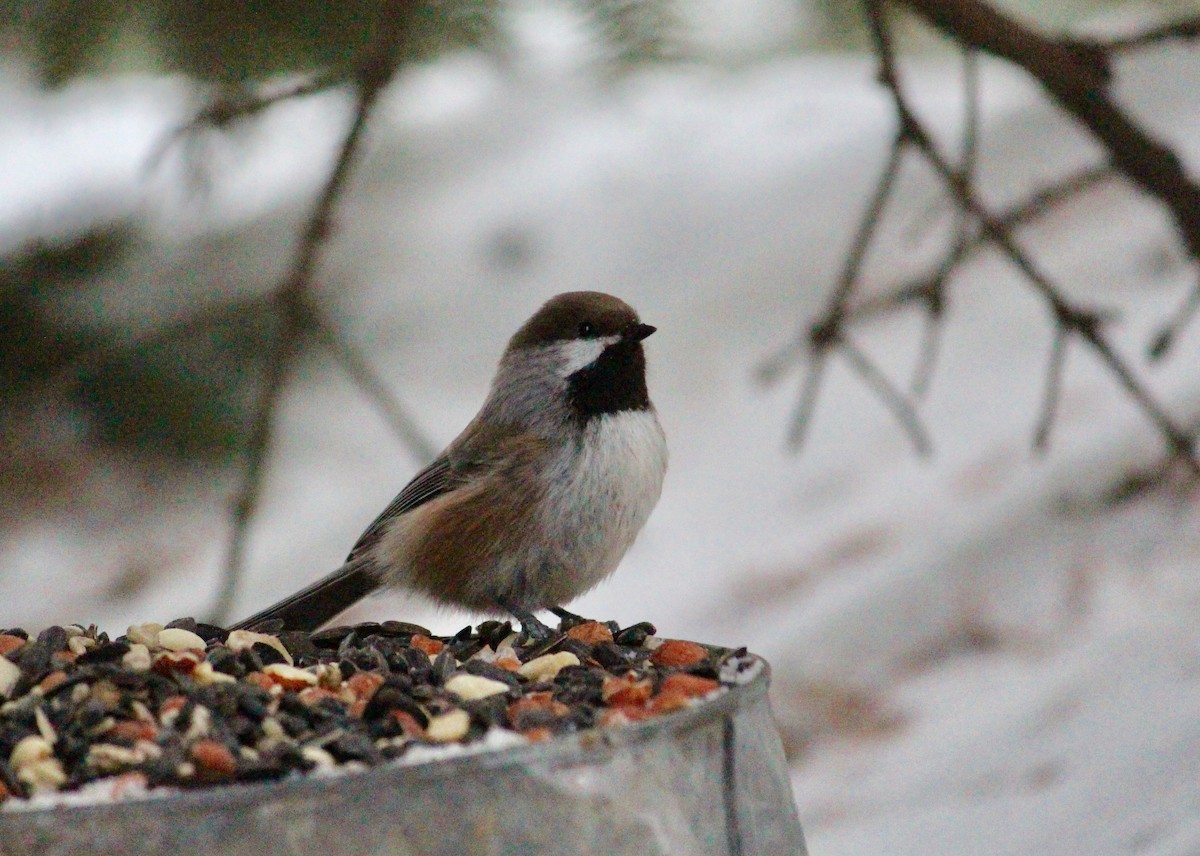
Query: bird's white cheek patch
<point>580,353</point>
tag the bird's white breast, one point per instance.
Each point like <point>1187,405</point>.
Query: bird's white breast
<point>606,492</point>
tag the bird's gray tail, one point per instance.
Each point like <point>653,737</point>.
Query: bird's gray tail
<point>313,605</point>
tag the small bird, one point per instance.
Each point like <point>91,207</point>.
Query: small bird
<point>539,497</point>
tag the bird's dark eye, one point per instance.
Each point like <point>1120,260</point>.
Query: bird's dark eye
<point>587,330</point>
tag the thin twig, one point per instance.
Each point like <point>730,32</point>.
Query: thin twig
<point>921,289</point>
<point>806,402</point>
<point>1076,74</point>
<point>1018,215</point>
<point>245,502</point>
<point>890,395</point>
<point>1045,198</point>
<point>231,105</point>
<point>964,232</point>
<point>1053,390</point>
<point>1165,337</point>
<point>866,229</point>
<point>1188,28</point>
<point>820,336</point>
<point>374,388</point>
<point>372,76</point>
<point>1079,322</point>
<point>933,296</point>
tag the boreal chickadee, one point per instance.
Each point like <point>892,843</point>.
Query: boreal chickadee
<point>539,497</point>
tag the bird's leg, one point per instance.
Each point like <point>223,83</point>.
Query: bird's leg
<point>531,627</point>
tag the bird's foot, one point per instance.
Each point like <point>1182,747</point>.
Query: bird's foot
<point>567,619</point>
<point>531,628</point>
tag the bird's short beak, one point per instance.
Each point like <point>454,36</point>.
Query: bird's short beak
<point>637,332</point>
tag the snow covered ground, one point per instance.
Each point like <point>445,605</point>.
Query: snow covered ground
<point>972,654</point>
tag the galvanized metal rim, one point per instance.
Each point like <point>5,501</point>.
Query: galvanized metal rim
<point>595,743</point>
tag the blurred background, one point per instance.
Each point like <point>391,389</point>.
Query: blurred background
<point>980,650</point>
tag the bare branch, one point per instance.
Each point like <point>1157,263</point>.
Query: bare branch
<point>1053,391</point>
<point>964,232</point>
<point>1079,322</point>
<point>890,395</point>
<point>1165,338</point>
<point>1020,214</point>
<point>1188,28</point>
<point>819,337</point>
<point>931,340</point>
<point>971,121</point>
<point>373,73</point>
<point>1076,75</point>
<point>1046,198</point>
<point>807,401</point>
<point>365,378</point>
<point>245,502</point>
<point>233,104</point>
<point>866,230</point>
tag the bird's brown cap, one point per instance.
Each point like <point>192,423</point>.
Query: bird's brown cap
<point>579,315</point>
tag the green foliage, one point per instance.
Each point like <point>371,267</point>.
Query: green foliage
<point>228,41</point>
<point>33,342</point>
<point>184,394</point>
<point>71,37</point>
<point>189,394</point>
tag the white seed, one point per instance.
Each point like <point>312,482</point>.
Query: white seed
<point>484,655</point>
<point>272,730</point>
<point>185,770</point>
<point>10,673</point>
<point>148,750</point>
<point>204,674</point>
<point>44,775</point>
<point>652,643</point>
<point>201,723</point>
<point>505,648</point>
<point>80,693</point>
<point>104,726</point>
<point>79,645</point>
<point>318,756</point>
<point>136,659</point>
<point>178,639</point>
<point>290,674</point>
<point>243,640</point>
<point>109,757</point>
<point>449,726</point>
<point>470,687</point>
<point>44,727</point>
<point>144,634</point>
<point>329,676</point>
<point>30,750</point>
<point>544,668</point>
<point>328,737</point>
